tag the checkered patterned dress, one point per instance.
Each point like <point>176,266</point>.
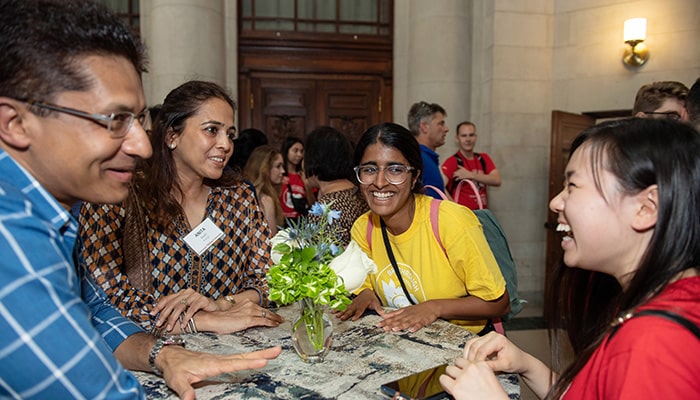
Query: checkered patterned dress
<point>237,262</point>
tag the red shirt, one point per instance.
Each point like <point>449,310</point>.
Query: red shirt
<point>297,184</point>
<point>466,195</point>
<point>649,357</point>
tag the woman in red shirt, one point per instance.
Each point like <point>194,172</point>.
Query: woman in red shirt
<point>630,215</point>
<point>295,195</point>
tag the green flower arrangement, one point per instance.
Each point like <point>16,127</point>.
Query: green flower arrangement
<point>302,254</point>
<point>302,272</point>
<point>312,269</point>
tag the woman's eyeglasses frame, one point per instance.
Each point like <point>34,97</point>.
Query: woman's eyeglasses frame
<point>395,174</point>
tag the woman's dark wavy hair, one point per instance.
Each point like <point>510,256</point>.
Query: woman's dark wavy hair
<point>42,43</point>
<point>160,182</point>
<point>639,153</point>
<point>398,137</point>
<point>328,155</point>
<point>290,141</point>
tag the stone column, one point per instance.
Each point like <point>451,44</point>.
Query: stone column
<point>432,50</point>
<point>186,40</point>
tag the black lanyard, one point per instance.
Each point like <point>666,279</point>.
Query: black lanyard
<point>390,253</point>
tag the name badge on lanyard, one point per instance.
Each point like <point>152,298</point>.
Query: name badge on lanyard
<point>203,236</point>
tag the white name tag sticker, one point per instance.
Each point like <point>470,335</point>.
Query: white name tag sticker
<point>203,236</point>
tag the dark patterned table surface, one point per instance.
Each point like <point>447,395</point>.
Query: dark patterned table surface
<point>361,359</point>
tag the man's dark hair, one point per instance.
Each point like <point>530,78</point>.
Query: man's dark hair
<point>43,42</point>
<point>692,104</point>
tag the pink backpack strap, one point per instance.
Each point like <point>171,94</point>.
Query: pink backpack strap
<point>434,213</point>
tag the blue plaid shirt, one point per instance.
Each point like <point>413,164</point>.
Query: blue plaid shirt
<point>57,328</point>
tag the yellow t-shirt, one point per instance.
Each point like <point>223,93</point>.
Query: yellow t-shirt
<point>468,269</point>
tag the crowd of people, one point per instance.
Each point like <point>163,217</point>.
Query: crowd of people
<point>115,288</point>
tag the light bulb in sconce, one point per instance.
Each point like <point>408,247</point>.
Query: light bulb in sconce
<point>636,52</point>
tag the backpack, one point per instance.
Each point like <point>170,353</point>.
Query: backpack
<point>496,239</point>
<point>452,184</point>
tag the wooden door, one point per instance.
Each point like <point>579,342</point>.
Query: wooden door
<point>565,127</point>
<point>350,106</point>
<point>283,107</point>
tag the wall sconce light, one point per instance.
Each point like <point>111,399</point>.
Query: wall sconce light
<point>636,52</point>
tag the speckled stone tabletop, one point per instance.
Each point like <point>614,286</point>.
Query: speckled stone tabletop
<point>361,359</point>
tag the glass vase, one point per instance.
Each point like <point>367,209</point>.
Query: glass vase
<point>312,332</point>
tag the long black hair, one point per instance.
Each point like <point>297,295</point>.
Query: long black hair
<point>290,141</point>
<point>639,153</point>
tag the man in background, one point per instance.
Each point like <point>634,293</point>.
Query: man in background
<point>665,99</point>
<point>426,121</point>
<point>468,164</point>
<point>72,114</point>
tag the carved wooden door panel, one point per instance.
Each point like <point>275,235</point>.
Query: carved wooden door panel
<point>294,105</point>
<point>285,107</point>
<point>350,106</point>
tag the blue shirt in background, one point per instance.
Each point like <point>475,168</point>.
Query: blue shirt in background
<point>431,171</point>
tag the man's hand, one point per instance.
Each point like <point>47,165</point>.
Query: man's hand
<point>182,368</point>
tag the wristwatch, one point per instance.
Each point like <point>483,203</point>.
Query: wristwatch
<point>174,340</point>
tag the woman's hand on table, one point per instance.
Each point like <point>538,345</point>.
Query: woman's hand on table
<point>243,315</point>
<point>501,355</point>
<point>472,375</point>
<point>411,318</point>
<point>366,299</point>
<point>182,368</point>
<point>186,303</point>
<point>471,380</point>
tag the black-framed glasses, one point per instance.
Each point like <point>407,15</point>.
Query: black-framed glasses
<point>666,114</point>
<point>117,123</point>
<point>395,174</point>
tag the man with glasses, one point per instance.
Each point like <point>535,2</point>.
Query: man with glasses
<point>72,111</point>
<point>426,121</point>
<point>665,99</point>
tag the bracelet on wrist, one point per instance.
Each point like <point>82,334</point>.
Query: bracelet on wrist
<point>175,340</point>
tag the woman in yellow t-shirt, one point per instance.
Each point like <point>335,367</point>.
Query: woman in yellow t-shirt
<point>455,278</point>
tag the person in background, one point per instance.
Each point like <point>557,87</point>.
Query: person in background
<point>630,215</point>
<point>468,164</point>
<point>247,141</point>
<point>265,168</point>
<point>692,104</point>
<point>455,278</point>
<point>144,254</point>
<point>72,111</point>
<point>328,161</point>
<point>426,121</point>
<point>295,196</point>
<point>665,99</point>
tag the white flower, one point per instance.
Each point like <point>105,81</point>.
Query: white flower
<point>282,236</point>
<point>353,265</point>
